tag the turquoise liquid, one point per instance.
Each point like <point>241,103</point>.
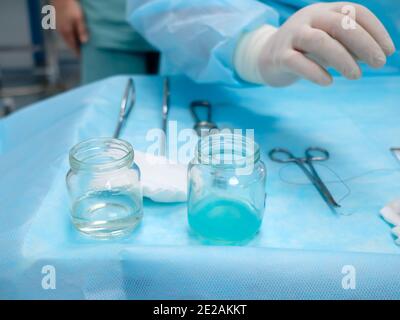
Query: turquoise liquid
<point>107,214</point>
<point>224,220</point>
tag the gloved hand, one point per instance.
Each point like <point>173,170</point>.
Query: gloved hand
<point>315,37</point>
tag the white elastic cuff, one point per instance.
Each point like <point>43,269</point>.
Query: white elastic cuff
<point>248,51</point>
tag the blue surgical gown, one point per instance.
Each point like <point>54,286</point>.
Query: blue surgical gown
<point>198,37</point>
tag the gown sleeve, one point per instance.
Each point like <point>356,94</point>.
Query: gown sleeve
<point>198,37</point>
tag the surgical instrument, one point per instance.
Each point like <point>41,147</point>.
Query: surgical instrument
<point>127,103</point>
<point>202,125</point>
<point>311,154</point>
<point>165,111</point>
<point>396,152</point>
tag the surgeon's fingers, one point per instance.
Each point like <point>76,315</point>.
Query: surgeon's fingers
<point>358,41</point>
<point>81,30</point>
<point>328,50</point>
<point>371,24</point>
<point>299,64</point>
<point>69,35</point>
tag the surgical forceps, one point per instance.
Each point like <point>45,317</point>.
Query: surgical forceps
<point>311,154</point>
<point>127,103</point>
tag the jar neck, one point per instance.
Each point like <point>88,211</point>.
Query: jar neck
<point>227,150</point>
<point>101,154</point>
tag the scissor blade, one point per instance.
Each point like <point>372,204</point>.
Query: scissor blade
<point>322,187</point>
<point>326,194</point>
<point>318,184</point>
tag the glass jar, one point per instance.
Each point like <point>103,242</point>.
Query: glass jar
<point>104,188</point>
<point>226,181</point>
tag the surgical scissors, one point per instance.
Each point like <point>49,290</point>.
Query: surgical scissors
<point>127,103</point>
<point>311,154</point>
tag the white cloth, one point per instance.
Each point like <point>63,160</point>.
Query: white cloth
<point>391,214</point>
<point>162,181</point>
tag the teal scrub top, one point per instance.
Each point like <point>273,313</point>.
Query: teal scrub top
<point>108,28</point>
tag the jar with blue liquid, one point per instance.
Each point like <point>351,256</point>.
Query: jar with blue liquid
<point>104,188</point>
<point>226,196</point>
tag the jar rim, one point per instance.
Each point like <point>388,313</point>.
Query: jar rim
<point>236,149</point>
<point>101,154</point>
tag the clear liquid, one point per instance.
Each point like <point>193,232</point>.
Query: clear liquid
<point>225,220</point>
<point>107,214</point>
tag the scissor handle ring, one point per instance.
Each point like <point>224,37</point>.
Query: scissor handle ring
<point>324,154</point>
<point>201,104</point>
<point>289,157</point>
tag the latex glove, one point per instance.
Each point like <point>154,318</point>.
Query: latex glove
<point>70,23</point>
<point>313,38</point>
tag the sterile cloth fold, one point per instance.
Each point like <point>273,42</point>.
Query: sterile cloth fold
<point>303,249</point>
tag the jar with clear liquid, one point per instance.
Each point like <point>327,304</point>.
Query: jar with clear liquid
<point>226,196</point>
<point>104,188</point>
